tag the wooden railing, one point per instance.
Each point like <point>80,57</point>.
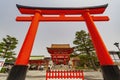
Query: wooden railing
<point>64,75</point>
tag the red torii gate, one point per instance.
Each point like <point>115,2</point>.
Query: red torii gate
<point>38,13</point>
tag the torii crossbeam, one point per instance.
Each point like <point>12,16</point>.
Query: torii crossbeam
<point>37,14</point>
<point>62,13</point>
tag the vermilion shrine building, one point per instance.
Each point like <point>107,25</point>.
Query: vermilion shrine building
<point>60,53</point>
<point>39,61</point>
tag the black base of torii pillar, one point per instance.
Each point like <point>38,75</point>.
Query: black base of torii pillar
<point>18,72</point>
<point>111,72</point>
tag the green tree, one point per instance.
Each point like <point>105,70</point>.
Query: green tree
<point>83,45</point>
<point>7,47</point>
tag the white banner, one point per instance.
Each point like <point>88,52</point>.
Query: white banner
<point>2,61</point>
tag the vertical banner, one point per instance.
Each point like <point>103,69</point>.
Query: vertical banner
<point>2,61</point>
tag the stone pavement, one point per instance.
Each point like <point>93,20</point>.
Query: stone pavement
<point>40,75</point>
<point>94,75</point>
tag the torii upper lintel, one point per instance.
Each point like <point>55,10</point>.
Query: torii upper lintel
<point>53,10</point>
<point>62,12</point>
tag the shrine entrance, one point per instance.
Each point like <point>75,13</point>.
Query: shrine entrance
<point>60,53</point>
<point>18,72</point>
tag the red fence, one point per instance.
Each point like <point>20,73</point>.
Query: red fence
<point>66,74</point>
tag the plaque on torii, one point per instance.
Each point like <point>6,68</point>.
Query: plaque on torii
<point>37,14</point>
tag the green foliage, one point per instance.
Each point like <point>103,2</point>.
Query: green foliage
<point>85,61</point>
<point>73,55</point>
<point>3,70</point>
<point>83,42</point>
<point>84,47</point>
<point>7,47</point>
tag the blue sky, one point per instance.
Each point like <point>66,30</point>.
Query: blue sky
<point>57,32</point>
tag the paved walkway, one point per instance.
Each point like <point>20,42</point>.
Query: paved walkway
<point>40,75</point>
<point>93,75</point>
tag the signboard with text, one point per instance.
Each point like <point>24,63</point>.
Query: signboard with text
<point>2,61</point>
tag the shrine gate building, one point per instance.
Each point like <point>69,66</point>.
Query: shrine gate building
<point>60,53</point>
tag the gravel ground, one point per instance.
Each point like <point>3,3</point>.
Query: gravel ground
<point>40,75</point>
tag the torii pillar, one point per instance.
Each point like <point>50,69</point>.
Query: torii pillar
<point>18,72</point>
